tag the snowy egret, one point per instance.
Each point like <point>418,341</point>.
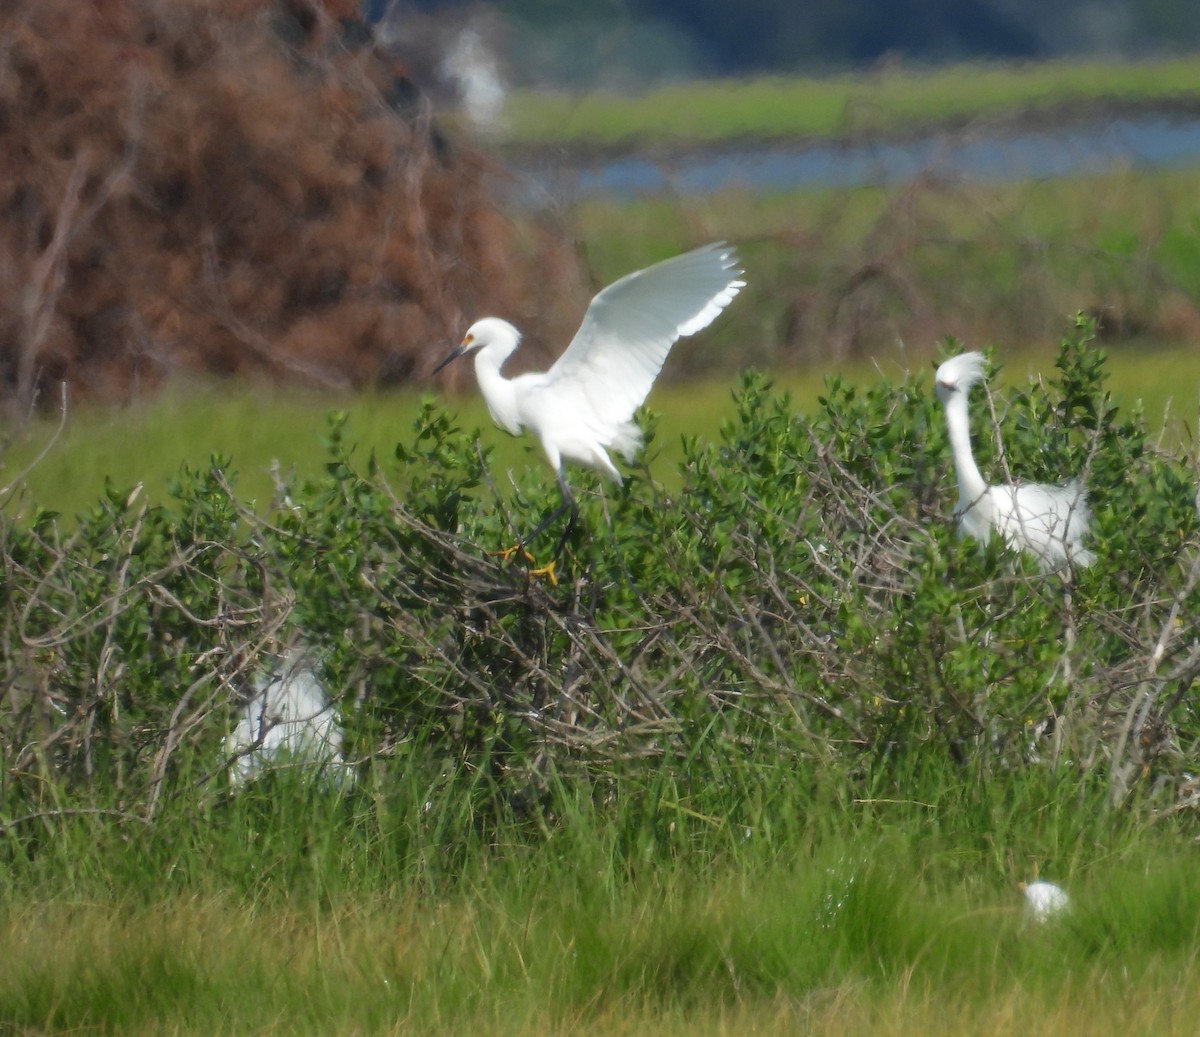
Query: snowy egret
<point>288,717</point>
<point>584,405</point>
<point>1043,900</point>
<point>1048,521</point>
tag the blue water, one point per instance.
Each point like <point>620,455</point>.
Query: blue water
<point>981,153</point>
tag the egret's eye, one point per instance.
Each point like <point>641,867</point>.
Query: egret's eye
<point>468,340</point>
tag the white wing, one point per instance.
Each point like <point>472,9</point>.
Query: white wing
<point>1050,521</point>
<point>629,328</point>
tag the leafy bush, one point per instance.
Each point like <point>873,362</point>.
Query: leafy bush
<point>798,630</point>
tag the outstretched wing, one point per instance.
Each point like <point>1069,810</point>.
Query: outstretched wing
<point>629,328</point>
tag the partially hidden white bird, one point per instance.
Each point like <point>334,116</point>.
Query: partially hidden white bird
<point>584,405</point>
<point>1043,900</point>
<point>288,720</point>
<point>1048,521</point>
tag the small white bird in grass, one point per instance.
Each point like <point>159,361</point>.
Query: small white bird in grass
<point>583,406</point>
<point>1048,521</point>
<point>1043,900</point>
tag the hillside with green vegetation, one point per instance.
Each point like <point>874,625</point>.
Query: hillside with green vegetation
<point>631,44</point>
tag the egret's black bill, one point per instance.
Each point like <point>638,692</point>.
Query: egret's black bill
<point>454,355</point>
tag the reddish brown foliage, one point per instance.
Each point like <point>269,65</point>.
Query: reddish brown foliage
<point>230,187</point>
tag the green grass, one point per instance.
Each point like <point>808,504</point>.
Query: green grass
<point>839,275</point>
<point>894,101</point>
<point>261,430</point>
<point>863,935</point>
<point>723,885</point>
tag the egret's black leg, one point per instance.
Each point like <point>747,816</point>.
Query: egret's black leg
<point>568,504</point>
<point>554,516</point>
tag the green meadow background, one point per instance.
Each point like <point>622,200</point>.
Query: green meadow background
<point>270,436</point>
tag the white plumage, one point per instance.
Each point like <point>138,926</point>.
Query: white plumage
<point>584,405</point>
<point>288,719</point>
<point>1043,900</point>
<point>1048,521</point>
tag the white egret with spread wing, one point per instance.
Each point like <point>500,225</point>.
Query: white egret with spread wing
<point>584,405</point>
<point>1048,521</point>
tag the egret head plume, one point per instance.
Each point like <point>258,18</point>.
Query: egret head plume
<point>490,330</point>
<point>959,373</point>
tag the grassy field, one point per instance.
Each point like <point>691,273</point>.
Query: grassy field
<point>840,275</point>
<point>762,902</point>
<point>891,101</point>
<point>889,932</point>
<point>270,435</point>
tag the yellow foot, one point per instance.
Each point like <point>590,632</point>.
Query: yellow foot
<point>508,552</point>
<point>547,571</point>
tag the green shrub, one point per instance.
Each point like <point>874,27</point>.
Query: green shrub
<point>797,636</point>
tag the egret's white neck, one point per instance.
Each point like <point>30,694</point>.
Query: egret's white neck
<point>971,484</point>
<point>497,390</point>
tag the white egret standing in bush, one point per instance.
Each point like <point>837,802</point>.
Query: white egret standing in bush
<point>1048,521</point>
<point>583,406</point>
<point>288,719</point>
